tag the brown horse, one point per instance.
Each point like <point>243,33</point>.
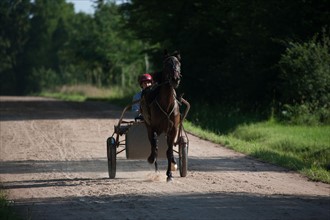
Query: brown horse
<point>160,109</point>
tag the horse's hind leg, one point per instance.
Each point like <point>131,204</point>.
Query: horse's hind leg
<point>154,148</point>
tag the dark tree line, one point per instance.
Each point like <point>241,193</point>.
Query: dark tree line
<point>246,54</point>
<point>230,48</point>
<point>251,55</point>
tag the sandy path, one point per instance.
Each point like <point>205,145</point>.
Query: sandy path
<point>53,165</point>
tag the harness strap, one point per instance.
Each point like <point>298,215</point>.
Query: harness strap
<point>167,114</point>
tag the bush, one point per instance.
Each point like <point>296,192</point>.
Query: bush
<point>304,114</point>
<point>305,71</point>
<point>43,78</point>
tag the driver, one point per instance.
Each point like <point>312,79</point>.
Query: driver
<point>145,81</point>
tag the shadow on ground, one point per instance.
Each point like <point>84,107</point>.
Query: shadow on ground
<point>220,164</point>
<point>13,110</point>
<point>186,206</point>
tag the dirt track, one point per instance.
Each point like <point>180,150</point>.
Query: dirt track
<point>53,165</point>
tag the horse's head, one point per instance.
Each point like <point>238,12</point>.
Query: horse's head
<point>172,69</point>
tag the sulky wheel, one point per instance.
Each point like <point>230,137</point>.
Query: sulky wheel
<point>183,156</point>
<point>111,154</point>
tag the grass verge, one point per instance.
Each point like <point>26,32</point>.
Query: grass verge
<point>81,93</point>
<point>305,149</point>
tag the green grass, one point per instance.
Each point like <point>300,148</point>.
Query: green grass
<point>305,149</point>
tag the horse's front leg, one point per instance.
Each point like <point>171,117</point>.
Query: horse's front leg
<point>154,148</point>
<point>171,163</point>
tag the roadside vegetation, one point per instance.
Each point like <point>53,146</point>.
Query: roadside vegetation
<point>305,149</point>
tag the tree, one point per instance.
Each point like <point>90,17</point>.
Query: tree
<point>48,35</point>
<point>106,48</point>
<point>14,26</point>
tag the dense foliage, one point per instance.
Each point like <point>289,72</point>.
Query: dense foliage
<point>305,70</point>
<point>45,44</point>
<point>248,55</point>
<point>14,26</point>
<point>230,48</point>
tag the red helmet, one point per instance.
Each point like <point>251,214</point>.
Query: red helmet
<point>145,78</point>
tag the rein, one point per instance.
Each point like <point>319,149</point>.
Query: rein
<point>165,113</point>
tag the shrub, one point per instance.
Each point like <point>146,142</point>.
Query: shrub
<point>43,78</point>
<point>305,71</point>
<point>305,114</point>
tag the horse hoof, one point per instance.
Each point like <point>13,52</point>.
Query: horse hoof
<point>169,179</point>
